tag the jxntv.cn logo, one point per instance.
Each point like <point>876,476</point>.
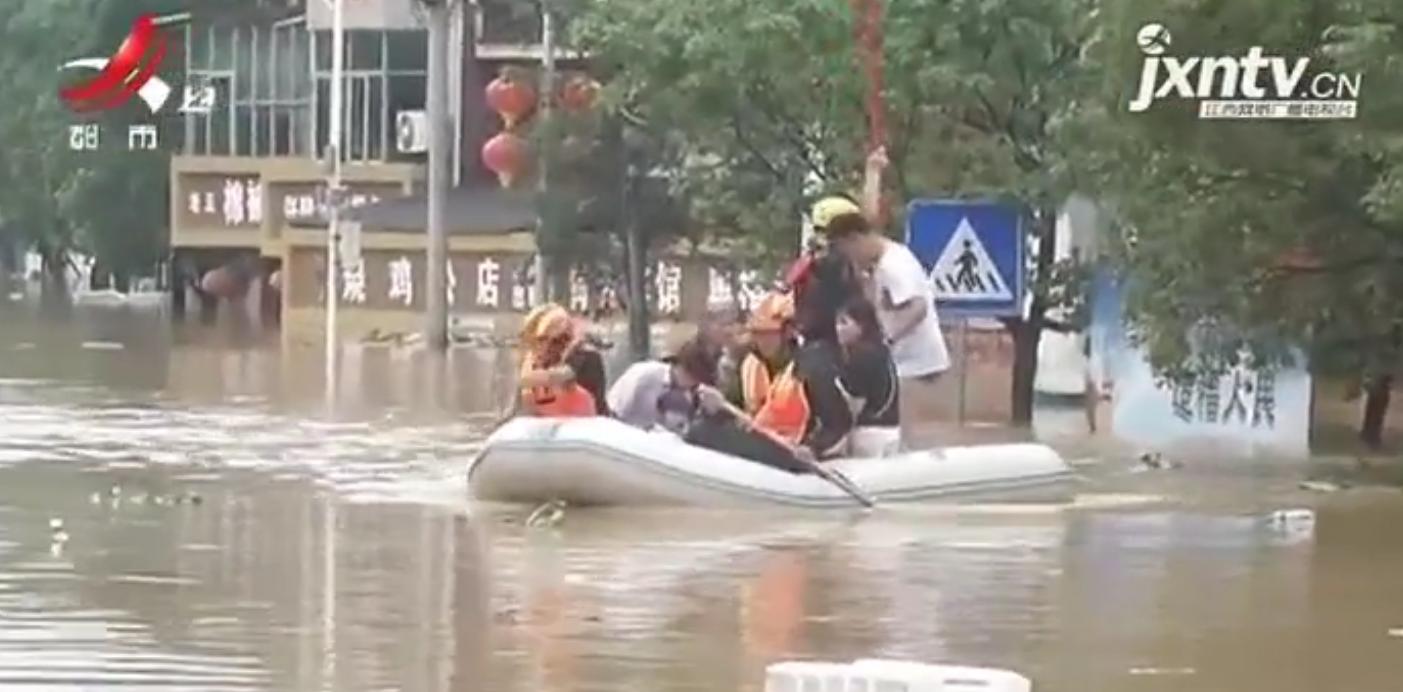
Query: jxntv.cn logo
<point>1254,86</point>
<point>130,71</point>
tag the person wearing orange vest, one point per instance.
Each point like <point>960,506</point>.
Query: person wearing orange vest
<point>772,346</point>
<point>808,406</point>
<point>561,375</point>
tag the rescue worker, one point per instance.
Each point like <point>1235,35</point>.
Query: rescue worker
<point>562,376</point>
<point>807,406</point>
<point>822,280</point>
<point>771,349</point>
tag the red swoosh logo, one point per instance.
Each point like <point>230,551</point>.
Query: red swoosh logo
<point>116,83</point>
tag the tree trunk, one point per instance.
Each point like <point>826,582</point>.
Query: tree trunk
<point>1027,332</point>
<point>1378,393</point>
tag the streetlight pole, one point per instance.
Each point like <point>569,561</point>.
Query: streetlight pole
<point>440,139</point>
<point>546,223</point>
<point>336,115</point>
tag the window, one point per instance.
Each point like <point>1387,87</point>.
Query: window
<point>385,73</point>
<point>262,90</point>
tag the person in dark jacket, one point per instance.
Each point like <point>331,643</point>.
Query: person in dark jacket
<point>870,379</point>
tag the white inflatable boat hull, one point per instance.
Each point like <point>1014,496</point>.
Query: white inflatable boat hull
<point>600,461</point>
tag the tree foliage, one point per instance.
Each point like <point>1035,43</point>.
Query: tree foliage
<point>1256,234</point>
<point>760,95</point>
<point>110,203</point>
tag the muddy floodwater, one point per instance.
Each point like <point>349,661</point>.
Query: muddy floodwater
<point>170,519</point>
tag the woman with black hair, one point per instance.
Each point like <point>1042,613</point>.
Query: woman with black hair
<point>869,379</point>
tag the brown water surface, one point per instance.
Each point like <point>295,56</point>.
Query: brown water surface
<point>220,532</point>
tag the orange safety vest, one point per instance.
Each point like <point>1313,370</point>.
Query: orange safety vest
<point>786,412</point>
<point>755,382</point>
<point>556,401</point>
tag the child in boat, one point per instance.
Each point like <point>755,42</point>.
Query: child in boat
<point>562,376</point>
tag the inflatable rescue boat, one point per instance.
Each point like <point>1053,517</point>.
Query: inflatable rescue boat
<point>601,461</point>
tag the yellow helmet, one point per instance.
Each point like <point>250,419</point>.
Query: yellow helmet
<point>829,208</point>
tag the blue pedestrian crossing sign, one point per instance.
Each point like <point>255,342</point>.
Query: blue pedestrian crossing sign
<point>973,252</point>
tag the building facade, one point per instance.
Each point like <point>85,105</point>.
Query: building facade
<point>248,187</point>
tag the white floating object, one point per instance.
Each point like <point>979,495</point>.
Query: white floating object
<point>1292,517</point>
<point>876,675</point>
<point>809,676</point>
<point>103,346</point>
<point>1396,633</point>
<point>95,498</point>
<point>60,537</point>
<point>911,676</point>
<point>1162,671</point>
<point>55,523</point>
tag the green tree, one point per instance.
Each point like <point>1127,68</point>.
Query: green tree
<point>1267,236</point>
<point>765,94</point>
<point>109,203</point>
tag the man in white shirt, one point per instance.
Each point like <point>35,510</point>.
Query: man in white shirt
<point>899,287</point>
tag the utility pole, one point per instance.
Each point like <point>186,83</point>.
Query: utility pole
<point>333,152</point>
<point>547,260</point>
<point>440,139</point>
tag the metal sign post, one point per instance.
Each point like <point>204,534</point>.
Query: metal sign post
<point>964,369</point>
<point>337,117</point>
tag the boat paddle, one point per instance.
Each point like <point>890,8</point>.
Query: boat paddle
<point>842,482</point>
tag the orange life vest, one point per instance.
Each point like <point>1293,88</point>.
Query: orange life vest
<point>755,382</point>
<point>786,411</point>
<point>556,401</point>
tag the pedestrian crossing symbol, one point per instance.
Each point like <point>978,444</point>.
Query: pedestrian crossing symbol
<point>965,271</point>
<point>973,254</point>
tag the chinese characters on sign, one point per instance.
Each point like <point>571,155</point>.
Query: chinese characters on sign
<point>669,288</point>
<point>353,282</point>
<point>307,203</point>
<point>402,281</point>
<point>488,276</point>
<point>718,292</point>
<point>228,202</point>
<point>85,137</point>
<point>1251,398</point>
<point>142,137</point>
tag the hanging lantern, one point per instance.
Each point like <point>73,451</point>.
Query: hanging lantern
<point>505,155</point>
<point>579,93</point>
<point>512,99</point>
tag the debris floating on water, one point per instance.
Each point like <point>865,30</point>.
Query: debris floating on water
<point>95,498</point>
<point>1162,671</point>
<point>103,346</point>
<point>1396,633</point>
<point>1321,486</point>
<point>55,524</point>
<point>548,514</point>
<point>1155,460</point>
<point>1291,517</point>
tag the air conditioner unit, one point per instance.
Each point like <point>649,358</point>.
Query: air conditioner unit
<point>412,132</point>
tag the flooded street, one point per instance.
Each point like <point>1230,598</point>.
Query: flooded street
<point>170,518</point>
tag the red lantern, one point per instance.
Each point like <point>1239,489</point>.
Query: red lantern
<point>511,99</point>
<point>505,155</point>
<point>579,93</point>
